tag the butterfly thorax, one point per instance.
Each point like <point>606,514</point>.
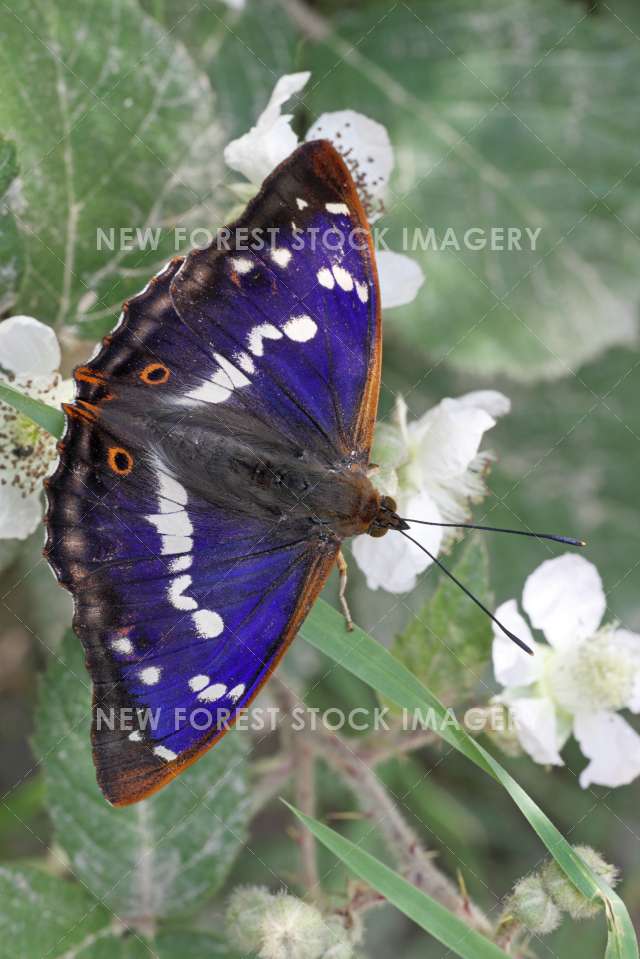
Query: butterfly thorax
<point>269,480</point>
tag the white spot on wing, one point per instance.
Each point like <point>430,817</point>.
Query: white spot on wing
<point>150,675</point>
<point>196,683</point>
<point>176,544</point>
<point>171,489</point>
<point>265,331</point>
<point>213,693</point>
<point>245,362</point>
<point>236,692</point>
<point>123,645</point>
<point>234,376</point>
<point>135,736</point>
<point>281,256</point>
<point>175,593</point>
<point>363,291</point>
<point>343,278</point>
<point>163,753</point>
<point>336,208</point>
<point>208,624</point>
<point>301,203</point>
<point>242,265</point>
<point>181,563</point>
<point>172,524</point>
<point>325,278</point>
<point>300,328</point>
<point>210,392</point>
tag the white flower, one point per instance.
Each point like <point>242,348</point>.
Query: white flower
<point>434,470</point>
<point>29,358</point>
<point>271,140</point>
<point>367,151</point>
<point>578,680</point>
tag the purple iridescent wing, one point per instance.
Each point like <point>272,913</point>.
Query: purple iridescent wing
<point>186,592</point>
<point>295,316</point>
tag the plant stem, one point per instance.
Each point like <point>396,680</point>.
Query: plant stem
<point>415,862</point>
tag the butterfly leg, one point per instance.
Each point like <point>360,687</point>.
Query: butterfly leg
<point>342,570</point>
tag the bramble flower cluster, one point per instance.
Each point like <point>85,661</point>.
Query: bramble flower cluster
<point>280,926</point>
<point>539,900</point>
<point>29,360</point>
<point>364,143</point>
<point>434,469</point>
<point>576,682</point>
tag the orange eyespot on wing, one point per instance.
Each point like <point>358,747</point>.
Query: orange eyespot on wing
<point>120,460</point>
<point>155,374</point>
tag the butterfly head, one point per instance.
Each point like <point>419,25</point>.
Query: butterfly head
<point>386,518</point>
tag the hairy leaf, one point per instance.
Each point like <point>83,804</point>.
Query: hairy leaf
<point>111,136</point>
<point>510,114</point>
<point>43,915</point>
<point>11,262</point>
<point>448,644</point>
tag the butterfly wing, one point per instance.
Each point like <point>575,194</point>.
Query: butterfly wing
<point>296,311</point>
<point>184,602</point>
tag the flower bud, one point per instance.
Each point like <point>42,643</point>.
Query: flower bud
<point>291,929</point>
<point>566,896</point>
<point>531,905</point>
<point>247,908</point>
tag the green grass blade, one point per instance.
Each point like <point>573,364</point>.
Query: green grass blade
<point>372,663</point>
<point>48,417</point>
<point>448,929</point>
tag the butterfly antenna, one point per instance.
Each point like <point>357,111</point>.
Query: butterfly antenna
<point>467,592</point>
<point>554,537</point>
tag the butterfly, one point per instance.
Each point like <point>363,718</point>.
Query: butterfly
<point>214,459</point>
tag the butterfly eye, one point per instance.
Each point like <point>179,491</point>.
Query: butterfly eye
<point>155,374</point>
<point>120,460</point>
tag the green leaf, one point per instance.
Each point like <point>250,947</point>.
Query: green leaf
<point>448,929</point>
<point>109,137</point>
<point>42,915</point>
<point>124,944</point>
<point>375,665</point>
<point>182,944</point>
<point>48,417</point>
<point>11,262</point>
<point>449,641</point>
<point>518,114</point>
<point>21,806</point>
<point>160,857</point>
<point>242,52</point>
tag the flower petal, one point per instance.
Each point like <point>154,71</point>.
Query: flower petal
<point>400,278</point>
<point>565,599</point>
<point>511,665</point>
<point>28,347</point>
<point>612,746</point>
<point>537,729</point>
<point>631,643</point>
<point>392,561</point>
<point>366,147</point>
<point>449,436</point>
<point>491,401</point>
<point>19,514</point>
<point>271,140</point>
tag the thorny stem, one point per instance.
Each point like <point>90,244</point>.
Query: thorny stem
<point>304,783</point>
<point>353,765</point>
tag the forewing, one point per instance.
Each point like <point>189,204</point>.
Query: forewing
<point>288,298</point>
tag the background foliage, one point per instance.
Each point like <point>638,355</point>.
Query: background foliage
<point>507,112</point>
